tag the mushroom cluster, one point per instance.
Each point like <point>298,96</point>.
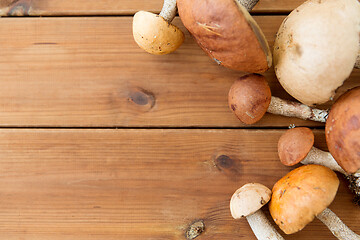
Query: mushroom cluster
<point>296,146</point>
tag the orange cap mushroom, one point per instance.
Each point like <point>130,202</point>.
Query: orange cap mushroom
<point>301,195</point>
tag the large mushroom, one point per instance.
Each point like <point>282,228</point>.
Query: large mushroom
<point>343,131</point>
<point>154,33</point>
<point>250,98</point>
<point>296,145</point>
<point>227,33</point>
<point>247,202</point>
<point>316,49</point>
<point>304,193</point>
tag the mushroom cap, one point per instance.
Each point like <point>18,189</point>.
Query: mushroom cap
<point>227,33</point>
<point>248,199</point>
<point>316,49</point>
<point>301,195</point>
<point>155,35</point>
<point>294,145</point>
<point>249,98</point>
<point>342,131</point>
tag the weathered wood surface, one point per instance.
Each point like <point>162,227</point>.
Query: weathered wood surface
<point>139,184</point>
<point>112,7</point>
<point>83,72</point>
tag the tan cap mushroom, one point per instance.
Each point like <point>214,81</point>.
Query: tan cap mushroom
<point>294,145</point>
<point>301,195</point>
<point>227,33</point>
<point>250,98</point>
<point>316,49</point>
<point>247,202</point>
<point>154,33</point>
<point>343,131</point>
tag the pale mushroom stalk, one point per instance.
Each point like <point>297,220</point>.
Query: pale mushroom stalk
<point>169,9</point>
<point>357,64</point>
<point>336,226</point>
<point>247,202</point>
<point>262,227</point>
<point>286,108</point>
<point>248,4</point>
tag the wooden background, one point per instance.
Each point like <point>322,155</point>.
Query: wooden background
<point>99,140</point>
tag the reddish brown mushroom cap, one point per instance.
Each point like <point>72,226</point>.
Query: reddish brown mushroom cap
<point>294,145</point>
<point>343,131</point>
<point>249,98</point>
<point>301,195</point>
<point>227,33</point>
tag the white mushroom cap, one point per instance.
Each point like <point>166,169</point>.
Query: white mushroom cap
<point>316,48</point>
<point>248,199</point>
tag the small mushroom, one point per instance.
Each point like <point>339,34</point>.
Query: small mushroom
<point>304,193</point>
<point>316,49</point>
<point>296,145</point>
<point>343,130</point>
<point>225,30</point>
<point>154,33</point>
<point>247,202</point>
<point>250,98</point>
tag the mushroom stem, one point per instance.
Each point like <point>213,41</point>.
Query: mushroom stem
<point>294,109</point>
<point>336,226</point>
<point>319,157</point>
<point>248,4</point>
<point>169,9</point>
<point>262,227</point>
<point>357,64</point>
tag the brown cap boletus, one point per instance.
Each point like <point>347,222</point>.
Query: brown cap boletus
<point>316,49</point>
<point>343,131</point>
<point>294,145</point>
<point>250,98</point>
<point>154,33</point>
<point>227,33</point>
<point>303,194</point>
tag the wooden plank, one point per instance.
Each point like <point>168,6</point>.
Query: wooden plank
<point>87,72</point>
<point>112,7</point>
<point>139,184</point>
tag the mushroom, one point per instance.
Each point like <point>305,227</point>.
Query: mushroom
<point>316,49</point>
<point>343,130</point>
<point>247,202</point>
<point>154,33</point>
<point>225,30</point>
<point>250,98</point>
<point>296,145</point>
<point>304,193</point>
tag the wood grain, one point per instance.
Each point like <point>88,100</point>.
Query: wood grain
<point>139,184</point>
<point>88,72</point>
<point>112,7</point>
